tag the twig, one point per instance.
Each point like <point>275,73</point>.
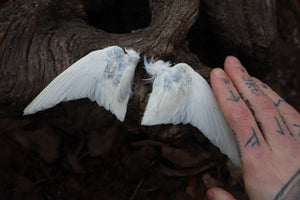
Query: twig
<point>296,7</point>
<point>137,188</point>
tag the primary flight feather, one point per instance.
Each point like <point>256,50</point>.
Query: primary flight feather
<point>104,76</point>
<point>181,95</point>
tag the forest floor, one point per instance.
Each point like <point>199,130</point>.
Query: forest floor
<point>40,161</point>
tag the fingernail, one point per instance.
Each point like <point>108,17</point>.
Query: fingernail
<point>210,195</point>
<point>220,73</point>
<point>233,61</point>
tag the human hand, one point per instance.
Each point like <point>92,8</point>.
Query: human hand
<point>266,130</point>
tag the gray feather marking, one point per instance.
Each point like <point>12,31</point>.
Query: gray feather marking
<point>124,92</point>
<point>116,53</point>
<point>119,75</point>
<point>109,69</point>
<point>180,77</point>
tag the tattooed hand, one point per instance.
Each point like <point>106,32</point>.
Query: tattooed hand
<point>267,133</point>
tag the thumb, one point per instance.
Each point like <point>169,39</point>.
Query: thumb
<point>219,194</point>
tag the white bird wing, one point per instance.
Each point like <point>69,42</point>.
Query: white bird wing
<point>181,95</point>
<point>104,76</point>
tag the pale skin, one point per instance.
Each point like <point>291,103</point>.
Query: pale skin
<point>266,131</point>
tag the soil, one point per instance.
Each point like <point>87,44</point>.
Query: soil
<point>40,160</point>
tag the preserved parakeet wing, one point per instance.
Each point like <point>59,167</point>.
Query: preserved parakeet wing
<point>181,95</point>
<point>104,76</point>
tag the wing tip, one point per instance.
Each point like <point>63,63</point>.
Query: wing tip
<point>27,112</point>
<point>143,123</point>
<point>147,120</point>
<point>119,116</point>
<point>147,123</point>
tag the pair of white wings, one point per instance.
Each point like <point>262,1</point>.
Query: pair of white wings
<point>179,94</point>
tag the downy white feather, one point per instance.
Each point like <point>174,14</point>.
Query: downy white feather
<point>181,95</point>
<point>104,76</point>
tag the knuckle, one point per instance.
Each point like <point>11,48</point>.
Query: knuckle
<point>263,103</point>
<point>239,114</point>
<point>255,158</point>
<point>291,112</point>
<point>258,155</point>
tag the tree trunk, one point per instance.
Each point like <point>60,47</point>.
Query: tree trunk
<point>41,38</point>
<point>245,28</point>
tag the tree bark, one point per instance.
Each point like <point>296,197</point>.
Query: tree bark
<point>40,39</point>
<point>246,28</point>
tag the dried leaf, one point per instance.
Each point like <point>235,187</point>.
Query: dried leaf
<point>73,162</point>
<point>9,124</point>
<point>135,160</point>
<point>190,188</point>
<point>43,141</point>
<point>183,172</point>
<point>99,144</point>
<point>146,143</point>
<point>209,181</point>
<point>179,157</point>
<point>23,184</point>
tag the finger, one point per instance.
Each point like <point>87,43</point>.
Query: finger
<point>219,194</point>
<point>246,133</point>
<point>274,130</point>
<point>289,115</point>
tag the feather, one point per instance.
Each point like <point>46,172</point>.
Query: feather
<point>181,95</point>
<point>104,76</point>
